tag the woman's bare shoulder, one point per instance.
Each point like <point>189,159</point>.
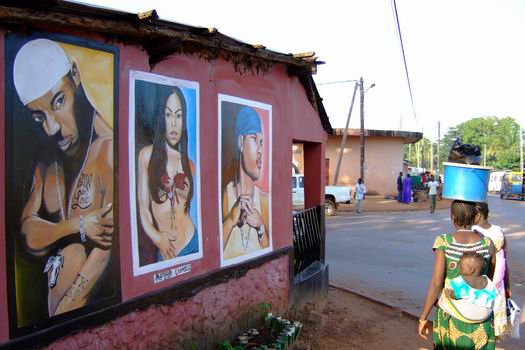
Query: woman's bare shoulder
<point>145,154</point>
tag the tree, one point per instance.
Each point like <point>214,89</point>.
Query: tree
<point>501,137</point>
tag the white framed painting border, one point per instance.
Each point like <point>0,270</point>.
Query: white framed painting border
<point>268,138</point>
<point>135,75</point>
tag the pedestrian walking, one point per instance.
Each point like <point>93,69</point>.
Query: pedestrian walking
<point>501,272</point>
<point>473,333</point>
<point>400,187</point>
<point>359,195</point>
<point>433,187</point>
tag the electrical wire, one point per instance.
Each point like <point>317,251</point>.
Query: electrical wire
<point>400,37</point>
<point>337,82</point>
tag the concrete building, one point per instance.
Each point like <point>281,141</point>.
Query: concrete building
<point>383,158</point>
<point>126,80</point>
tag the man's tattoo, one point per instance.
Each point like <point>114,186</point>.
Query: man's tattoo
<point>81,195</point>
<point>77,288</point>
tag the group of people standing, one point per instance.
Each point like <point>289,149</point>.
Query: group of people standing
<point>470,267</point>
<point>405,192</point>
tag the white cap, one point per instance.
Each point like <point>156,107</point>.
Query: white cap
<point>38,66</point>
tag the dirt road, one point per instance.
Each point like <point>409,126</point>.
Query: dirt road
<point>351,322</point>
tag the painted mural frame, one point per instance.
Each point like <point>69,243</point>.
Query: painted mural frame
<point>94,63</point>
<point>144,85</point>
<point>244,124</point>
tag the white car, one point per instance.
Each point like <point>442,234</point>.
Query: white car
<point>334,195</point>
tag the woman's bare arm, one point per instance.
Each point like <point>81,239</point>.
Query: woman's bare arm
<point>436,283</point>
<point>160,239</point>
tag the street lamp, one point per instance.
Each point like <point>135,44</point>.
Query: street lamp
<point>358,83</point>
<point>362,130</point>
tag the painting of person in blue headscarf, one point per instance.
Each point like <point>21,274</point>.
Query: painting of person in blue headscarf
<point>167,219</point>
<point>245,162</point>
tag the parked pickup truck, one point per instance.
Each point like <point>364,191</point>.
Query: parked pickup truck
<point>333,196</point>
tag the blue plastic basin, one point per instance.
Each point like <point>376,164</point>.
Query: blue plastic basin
<point>466,182</point>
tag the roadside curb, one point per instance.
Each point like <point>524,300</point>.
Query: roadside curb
<point>403,312</point>
<point>347,213</point>
<point>382,211</point>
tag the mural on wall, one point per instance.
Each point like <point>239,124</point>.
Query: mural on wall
<point>245,153</point>
<point>164,176</point>
<point>60,202</point>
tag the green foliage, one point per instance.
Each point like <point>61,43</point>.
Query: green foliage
<point>425,154</point>
<point>189,345</point>
<point>500,135</point>
<point>264,307</point>
<point>226,345</point>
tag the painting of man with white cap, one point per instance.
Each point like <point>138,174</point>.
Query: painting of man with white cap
<point>61,172</point>
<point>245,169</point>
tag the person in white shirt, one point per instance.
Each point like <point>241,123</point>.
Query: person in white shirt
<point>433,187</point>
<point>359,195</point>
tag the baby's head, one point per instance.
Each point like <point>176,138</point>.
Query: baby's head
<point>471,264</point>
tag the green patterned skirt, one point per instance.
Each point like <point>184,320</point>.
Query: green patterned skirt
<point>451,333</point>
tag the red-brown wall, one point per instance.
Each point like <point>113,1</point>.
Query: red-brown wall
<point>4,330</point>
<point>293,118</point>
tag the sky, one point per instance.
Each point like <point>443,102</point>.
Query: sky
<point>465,58</point>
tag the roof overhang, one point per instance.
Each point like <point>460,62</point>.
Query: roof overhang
<point>407,136</point>
<point>161,39</point>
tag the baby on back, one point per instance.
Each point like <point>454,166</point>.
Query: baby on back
<point>470,284</point>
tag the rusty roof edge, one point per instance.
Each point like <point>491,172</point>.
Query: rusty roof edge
<point>325,121</point>
<point>152,27</point>
<point>129,29</point>
<point>408,136</point>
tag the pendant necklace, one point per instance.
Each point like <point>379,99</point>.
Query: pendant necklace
<point>59,192</point>
<point>245,236</point>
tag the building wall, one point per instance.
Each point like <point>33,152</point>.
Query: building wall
<point>383,162</point>
<point>203,320</point>
<point>215,305</point>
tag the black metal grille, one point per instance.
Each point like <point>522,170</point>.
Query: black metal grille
<point>307,238</point>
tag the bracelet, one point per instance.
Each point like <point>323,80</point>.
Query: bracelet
<point>81,230</point>
<point>422,321</point>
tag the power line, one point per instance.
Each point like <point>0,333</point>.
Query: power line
<point>337,82</point>
<point>400,37</point>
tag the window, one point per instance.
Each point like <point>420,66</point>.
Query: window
<point>301,182</point>
<point>294,182</point>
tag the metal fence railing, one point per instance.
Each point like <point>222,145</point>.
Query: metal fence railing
<point>307,238</point>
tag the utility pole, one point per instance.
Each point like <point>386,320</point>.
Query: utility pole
<point>343,141</point>
<point>362,130</point>
<point>431,157</point>
<point>438,165</point>
<point>418,163</point>
<point>484,154</point>
<point>521,148</point>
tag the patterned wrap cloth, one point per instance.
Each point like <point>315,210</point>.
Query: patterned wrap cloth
<point>451,333</point>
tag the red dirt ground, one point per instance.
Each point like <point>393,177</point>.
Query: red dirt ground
<point>349,321</point>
